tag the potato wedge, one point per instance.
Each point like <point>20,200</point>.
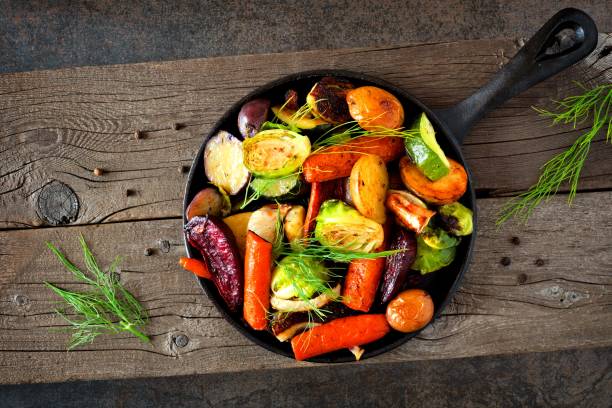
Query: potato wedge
<point>238,223</point>
<point>446,190</point>
<point>368,185</point>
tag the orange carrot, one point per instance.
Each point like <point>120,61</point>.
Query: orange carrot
<point>361,282</point>
<point>363,277</point>
<point>337,161</point>
<point>257,277</point>
<point>195,266</point>
<point>319,192</point>
<point>344,332</point>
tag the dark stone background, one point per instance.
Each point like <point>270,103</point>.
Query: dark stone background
<point>55,34</point>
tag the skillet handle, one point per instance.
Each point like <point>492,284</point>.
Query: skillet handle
<point>533,63</point>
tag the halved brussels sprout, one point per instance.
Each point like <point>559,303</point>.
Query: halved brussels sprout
<point>429,259</point>
<point>342,227</point>
<point>457,219</point>
<point>275,152</point>
<point>298,277</point>
<point>437,238</point>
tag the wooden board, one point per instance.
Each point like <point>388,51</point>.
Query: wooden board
<point>555,294</point>
<point>60,125</point>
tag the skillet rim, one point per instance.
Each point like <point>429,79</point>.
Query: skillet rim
<point>208,288</point>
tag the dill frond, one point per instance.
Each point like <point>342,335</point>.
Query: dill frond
<point>106,308</point>
<point>594,104</point>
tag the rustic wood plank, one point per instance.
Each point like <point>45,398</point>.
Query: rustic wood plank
<point>60,125</point>
<point>555,294</point>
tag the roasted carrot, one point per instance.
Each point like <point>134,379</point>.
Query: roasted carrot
<point>361,282</point>
<point>337,161</point>
<point>338,334</point>
<point>319,192</point>
<point>257,276</point>
<point>363,277</point>
<point>195,266</point>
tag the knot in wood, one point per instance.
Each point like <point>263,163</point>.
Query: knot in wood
<point>181,340</point>
<point>57,204</point>
<point>21,300</point>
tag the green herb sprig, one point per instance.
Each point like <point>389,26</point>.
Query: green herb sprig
<point>106,308</point>
<point>594,104</point>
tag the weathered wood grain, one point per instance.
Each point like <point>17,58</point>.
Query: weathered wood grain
<point>60,125</point>
<point>555,294</point>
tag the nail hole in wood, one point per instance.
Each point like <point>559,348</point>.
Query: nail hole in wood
<point>505,261</point>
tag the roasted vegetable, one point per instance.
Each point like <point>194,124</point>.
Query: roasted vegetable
<point>341,227</point>
<point>327,100</point>
<point>195,266</point>
<point>424,150</point>
<point>409,211</point>
<point>319,192</point>
<point>264,222</point>
<point>361,281</point>
<point>257,276</point>
<point>437,238</point>
<point>239,223</point>
<point>223,163</point>
<point>429,259</point>
<point>288,305</point>
<point>345,332</point>
<point>294,223</point>
<point>296,120</point>
<point>296,277</point>
<point>284,326</point>
<point>275,153</point>
<point>209,201</point>
<point>368,185</point>
<point>397,266</point>
<point>215,241</point>
<point>251,116</point>
<point>336,162</point>
<point>456,218</point>
<point>445,190</point>
<point>276,187</point>
<point>291,100</point>
<point>374,108</point>
<point>410,311</point>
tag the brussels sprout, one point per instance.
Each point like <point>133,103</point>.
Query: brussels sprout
<point>456,219</point>
<point>275,152</point>
<point>298,277</point>
<point>437,238</point>
<point>429,259</point>
<point>342,227</point>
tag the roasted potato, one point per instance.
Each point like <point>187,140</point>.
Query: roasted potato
<point>374,108</point>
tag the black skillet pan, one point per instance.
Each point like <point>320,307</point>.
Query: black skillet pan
<point>544,55</point>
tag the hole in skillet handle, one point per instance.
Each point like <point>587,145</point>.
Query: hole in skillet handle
<point>565,41</point>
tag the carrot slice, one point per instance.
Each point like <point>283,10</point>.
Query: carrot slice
<point>345,332</point>
<point>257,277</point>
<point>337,161</point>
<point>195,266</point>
<point>319,192</point>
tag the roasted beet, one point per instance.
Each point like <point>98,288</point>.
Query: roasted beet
<point>215,241</point>
<point>398,265</point>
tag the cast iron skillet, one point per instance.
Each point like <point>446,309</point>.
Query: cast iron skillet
<point>540,58</point>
